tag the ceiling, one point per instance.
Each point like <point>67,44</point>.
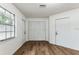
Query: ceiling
<point>34,10</point>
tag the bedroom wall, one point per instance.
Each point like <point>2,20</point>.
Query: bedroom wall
<point>72,40</point>
<point>10,46</point>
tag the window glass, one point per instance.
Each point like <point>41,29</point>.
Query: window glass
<point>12,16</point>
<point>8,14</point>
<point>8,28</point>
<point>8,34</point>
<point>12,28</point>
<point>12,34</point>
<point>12,22</point>
<point>6,24</point>
<point>2,28</point>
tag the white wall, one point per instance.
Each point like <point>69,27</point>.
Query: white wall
<point>10,46</point>
<point>51,30</point>
<point>73,40</point>
<point>40,19</point>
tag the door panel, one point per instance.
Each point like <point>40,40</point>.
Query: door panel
<point>37,30</point>
<point>63,29</point>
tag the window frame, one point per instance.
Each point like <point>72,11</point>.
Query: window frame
<point>8,25</point>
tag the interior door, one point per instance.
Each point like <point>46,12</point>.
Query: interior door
<point>37,30</point>
<point>23,29</point>
<point>63,31</point>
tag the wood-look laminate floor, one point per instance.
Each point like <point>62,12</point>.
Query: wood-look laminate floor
<point>44,48</point>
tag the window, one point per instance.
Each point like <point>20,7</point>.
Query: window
<point>7,24</point>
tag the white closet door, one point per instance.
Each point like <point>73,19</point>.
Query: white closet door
<point>63,31</point>
<point>37,30</point>
<point>23,30</point>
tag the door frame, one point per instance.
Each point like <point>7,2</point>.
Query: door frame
<point>55,32</point>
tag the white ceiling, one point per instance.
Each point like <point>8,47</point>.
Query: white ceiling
<point>33,9</point>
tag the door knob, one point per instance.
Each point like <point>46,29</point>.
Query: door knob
<point>56,33</point>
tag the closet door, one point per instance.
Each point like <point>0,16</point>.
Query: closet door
<point>63,31</point>
<point>37,30</point>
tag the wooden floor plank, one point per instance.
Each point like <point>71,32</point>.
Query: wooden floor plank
<point>44,48</point>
